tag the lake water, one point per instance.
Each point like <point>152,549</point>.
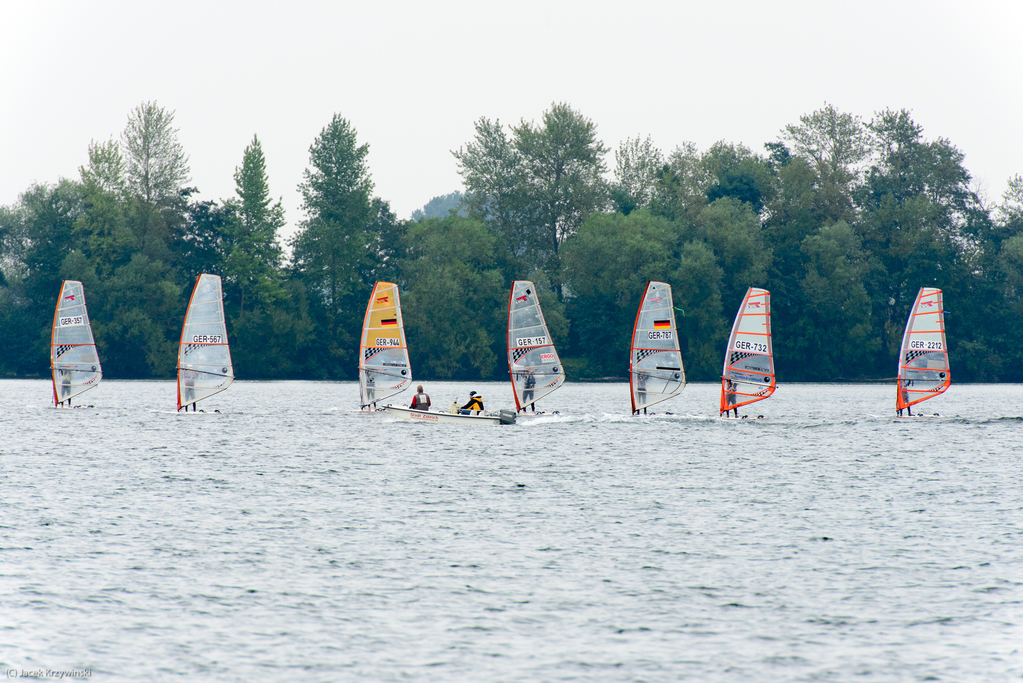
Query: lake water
<point>292,538</point>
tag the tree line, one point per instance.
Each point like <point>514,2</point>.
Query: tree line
<point>842,219</point>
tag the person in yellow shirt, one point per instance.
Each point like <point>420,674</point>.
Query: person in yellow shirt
<point>475,403</point>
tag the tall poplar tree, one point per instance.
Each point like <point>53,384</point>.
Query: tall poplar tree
<point>254,258</point>
<point>333,249</point>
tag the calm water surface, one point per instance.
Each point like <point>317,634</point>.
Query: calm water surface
<point>291,538</point>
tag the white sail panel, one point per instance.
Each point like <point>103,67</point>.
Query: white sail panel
<point>204,358</point>
<point>533,362</point>
<point>384,368</point>
<point>748,374</point>
<point>73,359</point>
<point>923,358</point>
<point>655,364</point>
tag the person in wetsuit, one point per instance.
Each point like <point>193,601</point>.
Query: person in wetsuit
<point>421,401</point>
<point>730,388</point>
<point>527,394</point>
<point>475,403</point>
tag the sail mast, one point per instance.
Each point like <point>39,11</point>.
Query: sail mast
<point>748,374</point>
<point>74,363</point>
<point>384,368</point>
<point>923,357</point>
<point>204,357</point>
<point>655,362</point>
<point>534,367</point>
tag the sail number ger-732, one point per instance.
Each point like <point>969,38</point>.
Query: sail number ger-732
<point>755,347</point>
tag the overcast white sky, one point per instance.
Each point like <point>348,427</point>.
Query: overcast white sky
<point>413,77</point>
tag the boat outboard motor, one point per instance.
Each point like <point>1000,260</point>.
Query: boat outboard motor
<point>507,417</point>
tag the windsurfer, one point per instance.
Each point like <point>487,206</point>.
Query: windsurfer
<point>475,403</point>
<point>730,388</point>
<point>905,399</point>
<point>189,376</point>
<point>641,391</point>
<point>527,393</point>
<point>371,382</point>
<point>65,386</point>
<point>421,401</point>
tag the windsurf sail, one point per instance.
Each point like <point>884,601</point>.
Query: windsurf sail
<point>655,366</point>
<point>533,362</point>
<point>749,360</point>
<point>204,359</point>
<point>923,359</point>
<point>73,357</point>
<point>384,368</point>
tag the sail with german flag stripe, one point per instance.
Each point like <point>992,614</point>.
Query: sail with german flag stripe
<point>655,364</point>
<point>384,368</point>
<point>923,358</point>
<point>748,375</point>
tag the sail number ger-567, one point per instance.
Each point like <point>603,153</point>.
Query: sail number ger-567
<point>207,339</point>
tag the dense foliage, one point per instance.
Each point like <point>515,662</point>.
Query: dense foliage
<point>842,220</point>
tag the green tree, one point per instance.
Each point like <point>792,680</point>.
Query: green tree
<point>680,190</point>
<point>836,325</point>
<point>333,248</point>
<point>441,206</point>
<point>157,169</point>
<point>638,164</point>
<point>454,299</point>
<point>254,257</point>
<point>733,231</point>
<point>536,188</point>
<point>606,266</point>
<point>834,144</point>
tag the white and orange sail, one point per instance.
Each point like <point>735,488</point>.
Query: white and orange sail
<point>655,362</point>
<point>204,357</point>
<point>923,358</point>
<point>384,368</point>
<point>73,359</point>
<point>533,363</point>
<point>748,375</point>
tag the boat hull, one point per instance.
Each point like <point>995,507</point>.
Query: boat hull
<point>438,417</point>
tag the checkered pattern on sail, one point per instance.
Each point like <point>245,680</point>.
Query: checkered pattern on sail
<point>64,348</point>
<point>519,353</point>
<point>645,353</point>
<point>189,348</point>
<point>371,351</point>
<point>913,355</point>
<point>738,356</point>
